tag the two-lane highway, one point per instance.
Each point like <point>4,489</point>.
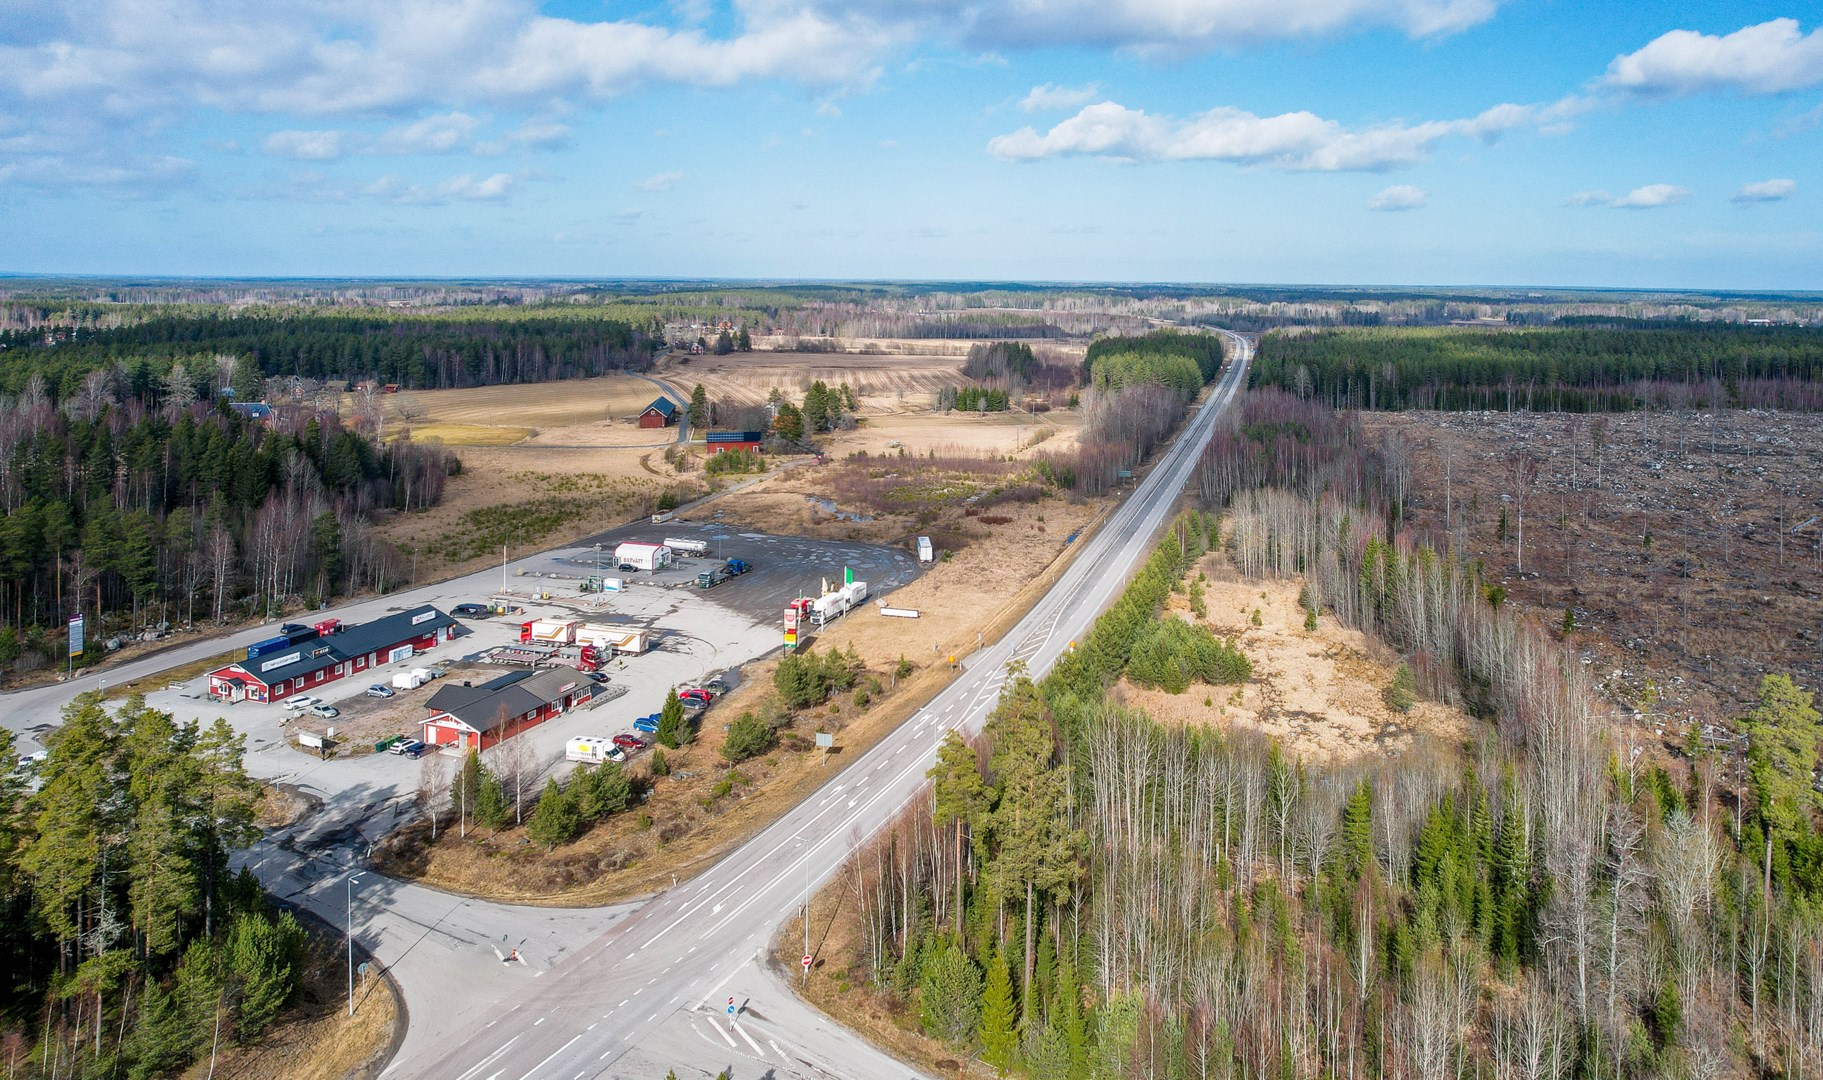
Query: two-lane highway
<point>674,962</point>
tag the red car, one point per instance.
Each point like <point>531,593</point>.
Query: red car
<point>629,742</point>
<point>698,693</point>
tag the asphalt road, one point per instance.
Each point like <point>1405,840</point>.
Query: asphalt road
<point>653,990</point>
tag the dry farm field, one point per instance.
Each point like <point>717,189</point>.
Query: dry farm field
<point>500,415</point>
<point>1685,546</point>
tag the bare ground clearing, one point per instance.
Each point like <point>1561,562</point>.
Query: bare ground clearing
<point>1315,691</point>
<point>1664,544</point>
<point>881,383</point>
<point>562,403</point>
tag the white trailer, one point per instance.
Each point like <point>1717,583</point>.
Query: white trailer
<point>408,680</point>
<point>688,547</point>
<point>592,749</point>
<point>833,605</point>
<point>643,556</point>
<point>554,631</point>
<point>925,553</point>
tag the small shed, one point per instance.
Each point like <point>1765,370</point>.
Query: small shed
<point>661,413</point>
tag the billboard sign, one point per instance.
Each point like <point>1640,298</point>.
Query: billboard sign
<point>76,641</point>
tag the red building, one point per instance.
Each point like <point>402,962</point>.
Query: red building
<point>477,717</point>
<point>661,413</point>
<point>301,661</point>
<point>718,441</point>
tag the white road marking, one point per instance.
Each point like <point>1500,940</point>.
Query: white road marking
<point>723,1034</point>
<point>490,1059</point>
<point>554,1053</point>
<point>776,1050</point>
<point>742,1032</point>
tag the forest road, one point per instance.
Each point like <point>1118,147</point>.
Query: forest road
<point>655,989</point>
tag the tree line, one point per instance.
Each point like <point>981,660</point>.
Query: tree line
<point>414,350</point>
<point>1599,367</point>
<point>1088,893</point>
<point>137,511</point>
<point>131,947</point>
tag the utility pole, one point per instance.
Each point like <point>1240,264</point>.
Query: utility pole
<point>351,879</point>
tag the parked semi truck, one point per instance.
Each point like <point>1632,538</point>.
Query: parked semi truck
<point>709,579</point>
<point>833,605</point>
<point>549,631</point>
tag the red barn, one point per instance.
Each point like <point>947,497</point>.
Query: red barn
<point>718,441</point>
<point>307,658</point>
<point>477,717</point>
<point>661,413</point>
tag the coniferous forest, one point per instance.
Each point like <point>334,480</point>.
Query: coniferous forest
<point>1087,893</point>
<point>131,948</point>
<point>1572,366</point>
<point>140,509</point>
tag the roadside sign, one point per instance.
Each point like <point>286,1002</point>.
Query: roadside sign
<point>825,739</point>
<point>76,642</point>
<point>806,961</point>
<point>730,1006</point>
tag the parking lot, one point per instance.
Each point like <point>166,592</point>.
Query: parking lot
<point>697,635</point>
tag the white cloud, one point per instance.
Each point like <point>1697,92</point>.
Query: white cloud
<point>307,145</point>
<point>441,134</point>
<point>1047,96</point>
<point>1590,198</point>
<point>1651,197</point>
<point>1298,141</point>
<point>463,188</point>
<point>663,181</point>
<point>1166,26</point>
<point>1766,191</point>
<point>1399,197</point>
<point>1768,58</point>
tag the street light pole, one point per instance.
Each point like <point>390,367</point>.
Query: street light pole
<point>804,843</point>
<point>351,879</point>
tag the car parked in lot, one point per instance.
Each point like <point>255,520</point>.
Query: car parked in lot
<point>327,712</point>
<point>617,754</point>
<point>629,742</point>
<point>626,568</point>
<point>376,690</point>
<point>698,693</point>
<point>599,677</point>
<point>647,724</point>
<point>716,686</point>
<point>301,702</point>
<point>470,611</point>
<point>407,748</point>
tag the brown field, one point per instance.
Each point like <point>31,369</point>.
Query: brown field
<point>564,403</point>
<point>884,383</point>
<point>1316,692</point>
<point>1670,562</point>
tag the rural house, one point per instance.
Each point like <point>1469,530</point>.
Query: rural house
<point>477,717</point>
<point>719,441</point>
<point>661,413</point>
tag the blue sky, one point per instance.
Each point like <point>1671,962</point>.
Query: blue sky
<point>1316,141</point>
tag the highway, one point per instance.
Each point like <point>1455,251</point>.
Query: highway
<point>652,991</point>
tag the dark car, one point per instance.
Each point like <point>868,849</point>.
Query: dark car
<point>470,611</point>
<point>627,568</point>
<point>599,677</point>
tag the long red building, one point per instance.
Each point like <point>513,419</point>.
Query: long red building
<point>312,659</point>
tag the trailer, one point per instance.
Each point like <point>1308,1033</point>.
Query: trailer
<point>642,556</point>
<point>261,648</point>
<point>688,547</point>
<point>552,631</point>
<point>709,579</point>
<point>926,555</point>
<point>408,680</point>
<point>833,605</point>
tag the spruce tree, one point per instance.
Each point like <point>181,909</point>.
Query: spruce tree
<point>999,1042</point>
<point>555,820</point>
<point>672,730</point>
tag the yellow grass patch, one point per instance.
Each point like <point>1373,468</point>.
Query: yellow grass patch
<point>469,434</point>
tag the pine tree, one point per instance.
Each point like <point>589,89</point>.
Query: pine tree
<point>672,730</point>
<point>999,1042</point>
<point>492,808</point>
<point>555,820</point>
<point>960,797</point>
<point>949,995</point>
<point>699,406</point>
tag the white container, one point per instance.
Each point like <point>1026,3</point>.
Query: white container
<point>643,556</point>
<point>407,680</point>
<point>925,553</point>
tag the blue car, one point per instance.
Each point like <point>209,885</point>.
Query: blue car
<point>645,724</point>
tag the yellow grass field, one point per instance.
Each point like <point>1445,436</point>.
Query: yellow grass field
<point>888,383</point>
<point>503,415</point>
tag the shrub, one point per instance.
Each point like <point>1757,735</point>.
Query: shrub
<point>659,766</point>
<point>807,679</point>
<point>1402,693</point>
<point>1171,654</point>
<point>748,737</point>
<point>673,730</point>
<point>555,820</point>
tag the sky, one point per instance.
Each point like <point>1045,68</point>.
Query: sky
<point>1409,142</point>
